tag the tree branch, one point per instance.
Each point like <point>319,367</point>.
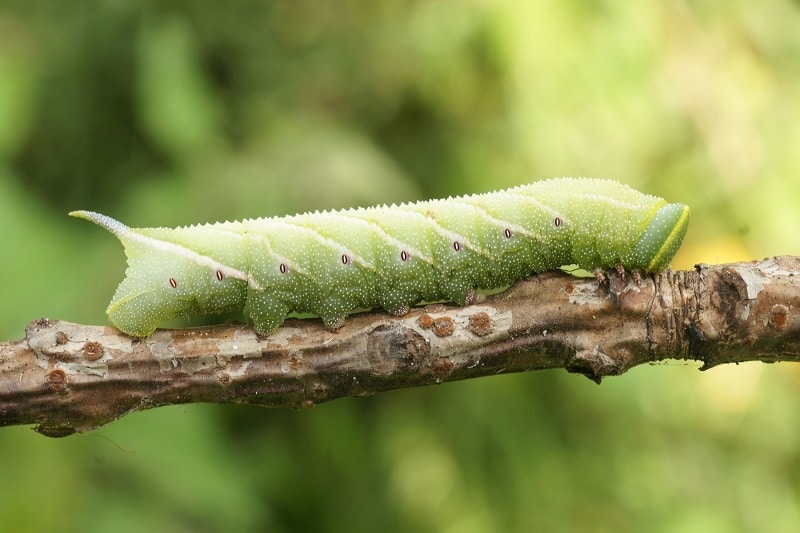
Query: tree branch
<point>67,377</point>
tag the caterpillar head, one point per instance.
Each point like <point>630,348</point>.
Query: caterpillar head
<point>662,237</point>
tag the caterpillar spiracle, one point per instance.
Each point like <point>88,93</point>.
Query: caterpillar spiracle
<point>334,262</point>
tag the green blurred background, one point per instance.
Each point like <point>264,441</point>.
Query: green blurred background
<point>172,112</point>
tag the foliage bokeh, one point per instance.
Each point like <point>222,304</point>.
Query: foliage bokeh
<point>166,113</point>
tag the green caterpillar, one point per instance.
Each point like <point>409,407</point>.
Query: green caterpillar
<point>332,263</point>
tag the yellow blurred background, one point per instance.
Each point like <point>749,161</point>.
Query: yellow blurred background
<point>168,113</point>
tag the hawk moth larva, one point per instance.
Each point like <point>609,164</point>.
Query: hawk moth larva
<point>334,262</point>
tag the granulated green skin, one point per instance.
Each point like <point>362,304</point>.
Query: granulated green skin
<point>332,263</point>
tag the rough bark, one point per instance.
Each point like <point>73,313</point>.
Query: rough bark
<point>67,377</point>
